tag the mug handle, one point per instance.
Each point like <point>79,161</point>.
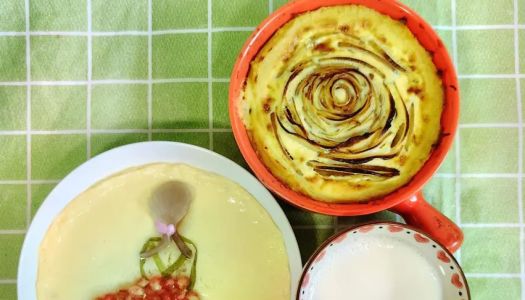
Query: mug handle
<point>418,213</point>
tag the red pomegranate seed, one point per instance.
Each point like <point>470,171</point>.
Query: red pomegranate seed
<point>142,282</point>
<point>155,284</point>
<point>136,291</point>
<point>183,282</point>
<point>182,295</point>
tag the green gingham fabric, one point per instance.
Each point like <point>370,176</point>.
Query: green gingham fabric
<point>78,77</point>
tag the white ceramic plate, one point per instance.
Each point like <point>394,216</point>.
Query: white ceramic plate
<point>124,157</point>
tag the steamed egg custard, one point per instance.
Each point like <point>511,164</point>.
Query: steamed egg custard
<point>93,248</point>
<point>343,104</point>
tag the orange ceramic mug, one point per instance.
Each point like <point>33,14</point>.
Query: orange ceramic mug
<point>407,200</point>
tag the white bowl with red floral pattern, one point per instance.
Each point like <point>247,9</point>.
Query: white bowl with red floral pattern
<point>452,284</point>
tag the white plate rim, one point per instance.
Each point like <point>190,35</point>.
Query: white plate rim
<point>120,158</point>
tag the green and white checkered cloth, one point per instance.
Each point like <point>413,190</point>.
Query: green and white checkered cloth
<point>78,77</point>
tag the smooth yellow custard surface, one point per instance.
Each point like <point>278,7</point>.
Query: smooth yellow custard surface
<point>93,245</point>
<point>343,104</point>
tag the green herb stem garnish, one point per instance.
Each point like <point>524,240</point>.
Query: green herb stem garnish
<point>173,268</point>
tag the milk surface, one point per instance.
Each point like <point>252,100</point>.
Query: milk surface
<point>374,268</point>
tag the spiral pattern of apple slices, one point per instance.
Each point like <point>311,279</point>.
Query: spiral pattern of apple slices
<point>347,107</point>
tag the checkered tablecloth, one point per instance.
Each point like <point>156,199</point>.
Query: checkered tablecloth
<point>78,77</point>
